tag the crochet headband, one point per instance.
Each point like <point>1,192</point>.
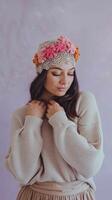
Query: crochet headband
<point>55,52</point>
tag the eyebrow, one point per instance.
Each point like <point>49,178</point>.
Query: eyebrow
<point>60,68</point>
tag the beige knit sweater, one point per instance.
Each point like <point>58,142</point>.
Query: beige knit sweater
<point>57,149</point>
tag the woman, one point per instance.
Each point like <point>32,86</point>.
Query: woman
<point>56,138</point>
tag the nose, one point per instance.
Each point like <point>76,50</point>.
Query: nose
<point>63,80</point>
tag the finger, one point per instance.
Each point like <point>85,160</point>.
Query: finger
<point>42,103</point>
<point>39,102</point>
<point>29,103</point>
<point>49,105</point>
<point>33,101</point>
<point>51,102</point>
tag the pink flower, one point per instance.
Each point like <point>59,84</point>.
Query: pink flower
<point>62,44</point>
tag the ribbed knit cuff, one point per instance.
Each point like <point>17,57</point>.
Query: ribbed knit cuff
<point>58,119</point>
<point>33,121</point>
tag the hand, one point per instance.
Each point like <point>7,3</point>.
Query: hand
<point>36,108</point>
<point>52,107</point>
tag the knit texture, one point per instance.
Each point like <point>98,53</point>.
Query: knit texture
<point>57,149</point>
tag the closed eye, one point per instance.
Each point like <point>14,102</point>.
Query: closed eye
<point>60,74</point>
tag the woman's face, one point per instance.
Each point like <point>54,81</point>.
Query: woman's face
<point>59,80</point>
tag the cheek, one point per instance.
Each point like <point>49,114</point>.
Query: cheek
<point>71,80</point>
<point>51,82</point>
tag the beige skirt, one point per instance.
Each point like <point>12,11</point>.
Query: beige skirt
<point>56,191</point>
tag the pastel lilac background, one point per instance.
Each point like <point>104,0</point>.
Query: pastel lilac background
<point>23,25</point>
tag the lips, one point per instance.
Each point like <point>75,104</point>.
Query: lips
<point>61,88</point>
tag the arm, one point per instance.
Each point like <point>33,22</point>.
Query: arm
<point>81,144</point>
<point>23,159</point>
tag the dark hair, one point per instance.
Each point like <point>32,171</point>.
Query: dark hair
<point>67,101</point>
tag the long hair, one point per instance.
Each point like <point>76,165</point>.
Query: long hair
<point>67,101</point>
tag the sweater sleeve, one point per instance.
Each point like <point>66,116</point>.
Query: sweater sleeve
<point>22,159</point>
<point>80,144</point>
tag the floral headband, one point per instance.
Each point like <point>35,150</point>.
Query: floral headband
<point>55,51</point>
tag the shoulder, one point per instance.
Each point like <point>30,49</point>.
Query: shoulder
<point>86,100</point>
<point>19,113</point>
<point>86,96</point>
<point>83,95</point>
<point>87,109</point>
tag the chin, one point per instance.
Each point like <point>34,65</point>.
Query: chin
<point>60,94</point>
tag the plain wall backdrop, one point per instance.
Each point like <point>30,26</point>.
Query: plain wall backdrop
<point>26,23</point>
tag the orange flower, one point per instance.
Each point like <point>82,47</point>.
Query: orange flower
<point>36,59</point>
<point>76,54</point>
